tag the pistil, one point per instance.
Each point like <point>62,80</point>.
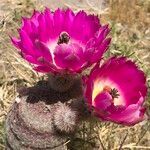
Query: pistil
<point>112,91</point>
<point>63,38</point>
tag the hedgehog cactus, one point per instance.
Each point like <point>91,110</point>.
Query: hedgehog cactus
<point>43,118</point>
<point>65,118</point>
<point>61,82</point>
<point>62,44</point>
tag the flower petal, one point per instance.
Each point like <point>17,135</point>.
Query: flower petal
<point>132,115</point>
<point>43,50</point>
<point>69,56</point>
<point>100,51</point>
<point>102,101</point>
<point>130,83</point>
<point>43,69</point>
<point>131,80</point>
<point>40,37</point>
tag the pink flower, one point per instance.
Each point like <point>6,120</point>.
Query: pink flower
<point>62,41</point>
<point>116,91</point>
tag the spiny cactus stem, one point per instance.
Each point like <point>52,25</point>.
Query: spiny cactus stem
<point>61,83</point>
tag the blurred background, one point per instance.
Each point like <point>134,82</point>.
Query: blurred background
<point>130,24</point>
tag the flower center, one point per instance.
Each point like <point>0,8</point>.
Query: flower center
<point>112,91</point>
<point>63,38</point>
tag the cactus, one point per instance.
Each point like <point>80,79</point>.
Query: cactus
<point>60,82</point>
<point>44,118</point>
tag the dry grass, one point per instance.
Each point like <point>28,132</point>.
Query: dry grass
<point>130,12</point>
<point>131,35</point>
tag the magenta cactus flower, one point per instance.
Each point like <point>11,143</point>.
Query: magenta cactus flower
<point>116,91</point>
<point>62,41</point>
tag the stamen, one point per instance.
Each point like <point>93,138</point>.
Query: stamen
<point>63,38</point>
<point>107,89</point>
<point>113,92</point>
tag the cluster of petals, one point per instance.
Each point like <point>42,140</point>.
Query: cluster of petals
<point>62,41</point>
<point>116,90</point>
<point>66,42</point>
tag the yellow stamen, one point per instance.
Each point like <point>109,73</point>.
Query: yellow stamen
<point>105,85</point>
